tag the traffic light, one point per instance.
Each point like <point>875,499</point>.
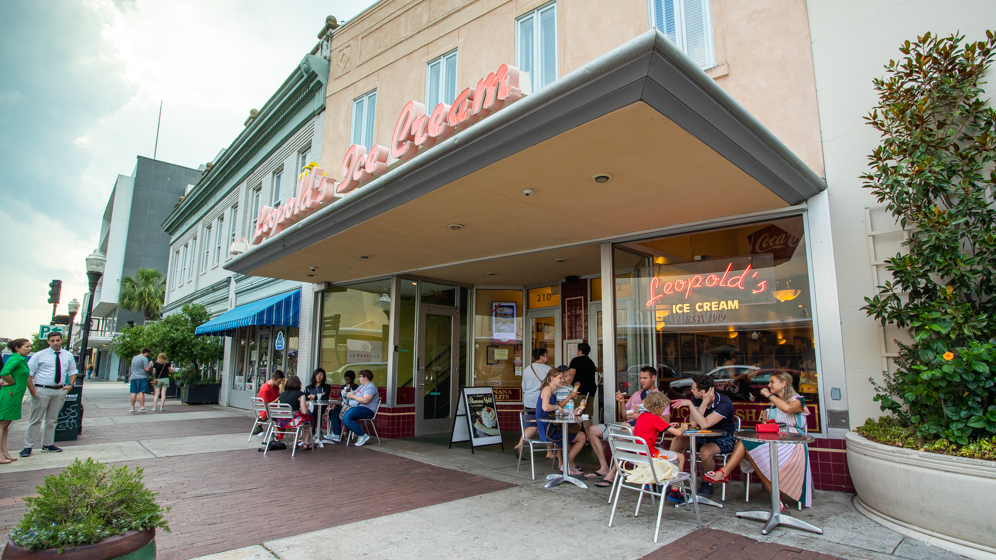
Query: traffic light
<point>334,322</point>
<point>55,291</point>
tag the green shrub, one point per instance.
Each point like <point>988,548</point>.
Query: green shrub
<point>934,172</point>
<point>85,503</point>
<point>889,431</point>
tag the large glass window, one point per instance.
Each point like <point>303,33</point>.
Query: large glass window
<point>364,108</point>
<point>732,303</point>
<point>409,294</point>
<point>536,45</point>
<point>355,328</point>
<point>498,328</point>
<point>440,80</point>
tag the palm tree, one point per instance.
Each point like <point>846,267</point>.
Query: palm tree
<point>145,292</point>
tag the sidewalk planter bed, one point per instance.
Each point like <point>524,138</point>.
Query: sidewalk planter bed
<point>201,394</point>
<point>945,500</point>
<point>133,545</point>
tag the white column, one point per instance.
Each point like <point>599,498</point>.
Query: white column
<point>608,335</point>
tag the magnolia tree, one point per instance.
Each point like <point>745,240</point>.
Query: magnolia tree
<point>174,336</point>
<point>934,171</point>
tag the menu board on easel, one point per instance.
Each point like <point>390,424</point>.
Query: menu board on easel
<point>476,419</point>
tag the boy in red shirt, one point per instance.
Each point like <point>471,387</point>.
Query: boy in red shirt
<point>649,424</point>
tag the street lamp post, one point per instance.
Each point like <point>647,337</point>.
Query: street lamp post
<point>73,307</point>
<point>94,270</point>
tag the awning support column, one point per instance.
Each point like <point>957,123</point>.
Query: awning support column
<point>608,335</point>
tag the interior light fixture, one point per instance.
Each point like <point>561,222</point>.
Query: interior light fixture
<point>601,177</point>
<point>787,295</point>
<point>660,260</point>
<point>734,334</point>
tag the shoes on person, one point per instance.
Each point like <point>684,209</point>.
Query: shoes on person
<point>257,430</point>
<point>362,440</point>
<point>705,489</point>
<point>676,497</point>
<point>51,449</point>
<point>26,452</point>
<point>132,409</point>
<point>332,438</point>
<point>142,409</point>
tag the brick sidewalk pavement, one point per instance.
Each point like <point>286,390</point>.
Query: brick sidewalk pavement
<point>228,500</point>
<point>710,544</point>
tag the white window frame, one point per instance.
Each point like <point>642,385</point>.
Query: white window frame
<point>303,158</point>
<point>207,250</point>
<point>220,239</point>
<point>276,182</point>
<point>680,30</point>
<point>233,224</point>
<point>446,97</point>
<point>183,262</point>
<point>176,271</point>
<point>193,259</point>
<point>365,136</point>
<point>255,197</point>
<point>536,62</point>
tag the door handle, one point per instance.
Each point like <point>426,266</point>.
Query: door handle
<point>419,375</point>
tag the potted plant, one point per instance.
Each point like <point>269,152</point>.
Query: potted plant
<point>89,510</point>
<point>196,389</point>
<point>932,458</point>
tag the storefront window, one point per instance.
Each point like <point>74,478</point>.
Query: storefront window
<point>293,341</point>
<point>498,327</point>
<point>240,346</point>
<point>547,296</point>
<point>438,294</point>
<point>252,356</point>
<point>355,327</point>
<point>406,342</point>
<point>731,303</point>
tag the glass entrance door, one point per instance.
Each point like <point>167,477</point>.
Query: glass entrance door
<point>436,375</point>
<point>544,332</point>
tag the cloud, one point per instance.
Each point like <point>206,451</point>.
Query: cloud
<point>80,87</point>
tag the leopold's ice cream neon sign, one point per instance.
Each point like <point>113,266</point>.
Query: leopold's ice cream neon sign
<point>415,129</point>
<point>730,280</point>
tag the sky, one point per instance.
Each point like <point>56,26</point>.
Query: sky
<point>80,86</point>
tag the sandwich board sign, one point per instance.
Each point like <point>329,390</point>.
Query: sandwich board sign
<point>476,419</point>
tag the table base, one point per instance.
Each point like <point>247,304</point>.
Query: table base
<point>778,519</point>
<point>557,479</point>
<point>704,501</point>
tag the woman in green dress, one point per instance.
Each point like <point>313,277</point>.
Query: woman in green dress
<point>13,381</point>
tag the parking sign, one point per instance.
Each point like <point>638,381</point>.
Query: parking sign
<point>43,330</point>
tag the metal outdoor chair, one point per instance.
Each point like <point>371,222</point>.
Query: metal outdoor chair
<point>622,429</point>
<point>276,412</point>
<point>632,449</point>
<point>529,419</point>
<point>259,409</point>
<point>368,424</point>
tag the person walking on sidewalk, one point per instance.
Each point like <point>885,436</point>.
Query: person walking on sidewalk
<point>140,379</point>
<point>14,379</point>
<point>50,369</point>
<point>160,381</point>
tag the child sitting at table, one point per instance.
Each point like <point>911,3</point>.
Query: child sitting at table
<point>649,426</point>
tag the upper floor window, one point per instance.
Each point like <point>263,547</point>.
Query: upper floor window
<point>275,191</point>
<point>207,249</point>
<point>440,81</point>
<point>176,270</point>
<point>536,45</point>
<point>363,120</point>
<point>220,240</point>
<point>193,257</point>
<point>183,262</point>
<point>303,158</point>
<point>254,208</point>
<point>687,24</point>
<point>231,226</point>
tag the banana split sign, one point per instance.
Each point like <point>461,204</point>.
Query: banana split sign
<point>416,128</point>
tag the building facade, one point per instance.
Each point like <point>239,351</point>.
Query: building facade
<point>131,238</point>
<point>260,168</point>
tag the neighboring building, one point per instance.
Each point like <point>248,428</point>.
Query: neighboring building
<point>851,45</point>
<point>260,166</point>
<point>657,193</point>
<point>131,238</point>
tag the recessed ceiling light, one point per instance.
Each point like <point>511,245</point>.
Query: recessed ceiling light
<point>601,177</point>
<point>492,274</point>
<point>364,256</point>
<point>560,260</point>
<point>455,227</point>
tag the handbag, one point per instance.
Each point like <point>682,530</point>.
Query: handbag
<point>769,427</point>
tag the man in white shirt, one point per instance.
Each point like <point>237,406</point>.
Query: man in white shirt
<point>532,379</point>
<point>53,372</point>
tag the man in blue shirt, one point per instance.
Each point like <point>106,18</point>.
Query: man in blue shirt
<point>707,410</point>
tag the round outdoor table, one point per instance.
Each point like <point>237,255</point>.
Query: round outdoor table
<point>776,517</point>
<point>692,434</point>
<point>316,438</point>
<point>556,479</point>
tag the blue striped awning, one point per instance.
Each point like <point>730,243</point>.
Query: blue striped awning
<point>279,310</point>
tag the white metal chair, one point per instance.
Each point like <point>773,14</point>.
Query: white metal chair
<point>276,412</point>
<point>618,429</point>
<point>259,409</point>
<point>368,424</point>
<point>529,419</point>
<point>632,449</point>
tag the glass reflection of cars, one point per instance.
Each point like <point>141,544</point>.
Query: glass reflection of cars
<point>629,380</point>
<point>759,379</point>
<point>719,375</point>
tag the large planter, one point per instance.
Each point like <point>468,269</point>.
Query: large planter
<point>944,500</point>
<point>201,394</point>
<point>133,545</point>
